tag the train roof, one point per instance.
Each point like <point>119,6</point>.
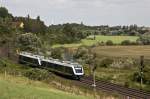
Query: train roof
<point>64,63</point>
<point>51,60</point>
<point>31,55</point>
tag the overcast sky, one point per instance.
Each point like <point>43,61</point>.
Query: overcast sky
<point>90,12</point>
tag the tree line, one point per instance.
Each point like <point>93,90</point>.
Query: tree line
<point>61,33</point>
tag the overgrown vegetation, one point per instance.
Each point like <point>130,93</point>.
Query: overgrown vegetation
<point>115,68</point>
<point>96,47</point>
<point>145,76</point>
<point>28,42</point>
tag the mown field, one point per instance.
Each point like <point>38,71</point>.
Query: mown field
<point>89,40</point>
<point>22,88</point>
<point>123,51</point>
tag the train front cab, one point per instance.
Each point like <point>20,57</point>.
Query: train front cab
<point>78,72</point>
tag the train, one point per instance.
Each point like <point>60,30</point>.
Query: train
<point>68,68</point>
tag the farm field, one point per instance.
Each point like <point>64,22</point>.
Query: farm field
<point>88,41</point>
<point>117,51</point>
<point>22,88</point>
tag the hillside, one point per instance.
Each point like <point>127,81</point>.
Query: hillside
<point>23,88</point>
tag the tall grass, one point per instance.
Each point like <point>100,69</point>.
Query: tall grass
<point>23,88</point>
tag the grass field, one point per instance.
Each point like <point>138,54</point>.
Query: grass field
<point>117,51</point>
<point>21,88</point>
<point>88,41</point>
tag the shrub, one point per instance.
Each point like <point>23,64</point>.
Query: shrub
<point>28,42</point>
<point>109,42</point>
<point>37,74</point>
<point>81,52</point>
<point>127,84</point>
<point>144,39</point>
<point>106,62</point>
<point>135,43</point>
<point>126,42</point>
<point>57,53</point>
<point>146,78</point>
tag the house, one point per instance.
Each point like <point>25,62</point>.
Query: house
<point>17,24</point>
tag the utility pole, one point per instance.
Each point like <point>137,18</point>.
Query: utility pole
<point>94,83</point>
<point>94,70</point>
<point>141,70</point>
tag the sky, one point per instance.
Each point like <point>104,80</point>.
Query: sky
<point>90,12</point>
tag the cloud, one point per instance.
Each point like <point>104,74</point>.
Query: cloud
<point>92,12</point>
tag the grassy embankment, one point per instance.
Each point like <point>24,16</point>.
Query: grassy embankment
<point>23,88</point>
<point>13,85</point>
<point>89,41</point>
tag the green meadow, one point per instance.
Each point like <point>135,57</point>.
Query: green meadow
<point>90,41</point>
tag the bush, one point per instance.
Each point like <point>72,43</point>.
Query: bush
<point>106,62</point>
<point>37,74</point>
<point>56,53</point>
<point>146,78</point>
<point>144,39</point>
<point>127,84</point>
<point>126,42</point>
<point>109,42</point>
<point>28,42</point>
<point>135,43</point>
<point>81,52</point>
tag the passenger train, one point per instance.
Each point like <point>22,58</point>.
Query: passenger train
<point>62,67</point>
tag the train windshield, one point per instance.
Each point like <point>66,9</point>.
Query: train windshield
<point>78,70</point>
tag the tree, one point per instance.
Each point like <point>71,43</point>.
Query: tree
<point>91,60</point>
<point>145,39</point>
<point>82,52</point>
<point>4,13</point>
<point>28,17</point>
<point>145,76</point>
<point>38,18</point>
<point>57,53</point>
<point>28,42</point>
<point>69,33</point>
<point>34,25</point>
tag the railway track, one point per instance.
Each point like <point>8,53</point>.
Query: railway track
<point>110,87</point>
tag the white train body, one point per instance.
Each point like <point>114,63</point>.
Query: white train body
<point>63,67</point>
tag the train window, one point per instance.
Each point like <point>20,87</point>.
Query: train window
<point>35,61</point>
<point>68,70</point>
<point>43,64</point>
<point>78,70</point>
